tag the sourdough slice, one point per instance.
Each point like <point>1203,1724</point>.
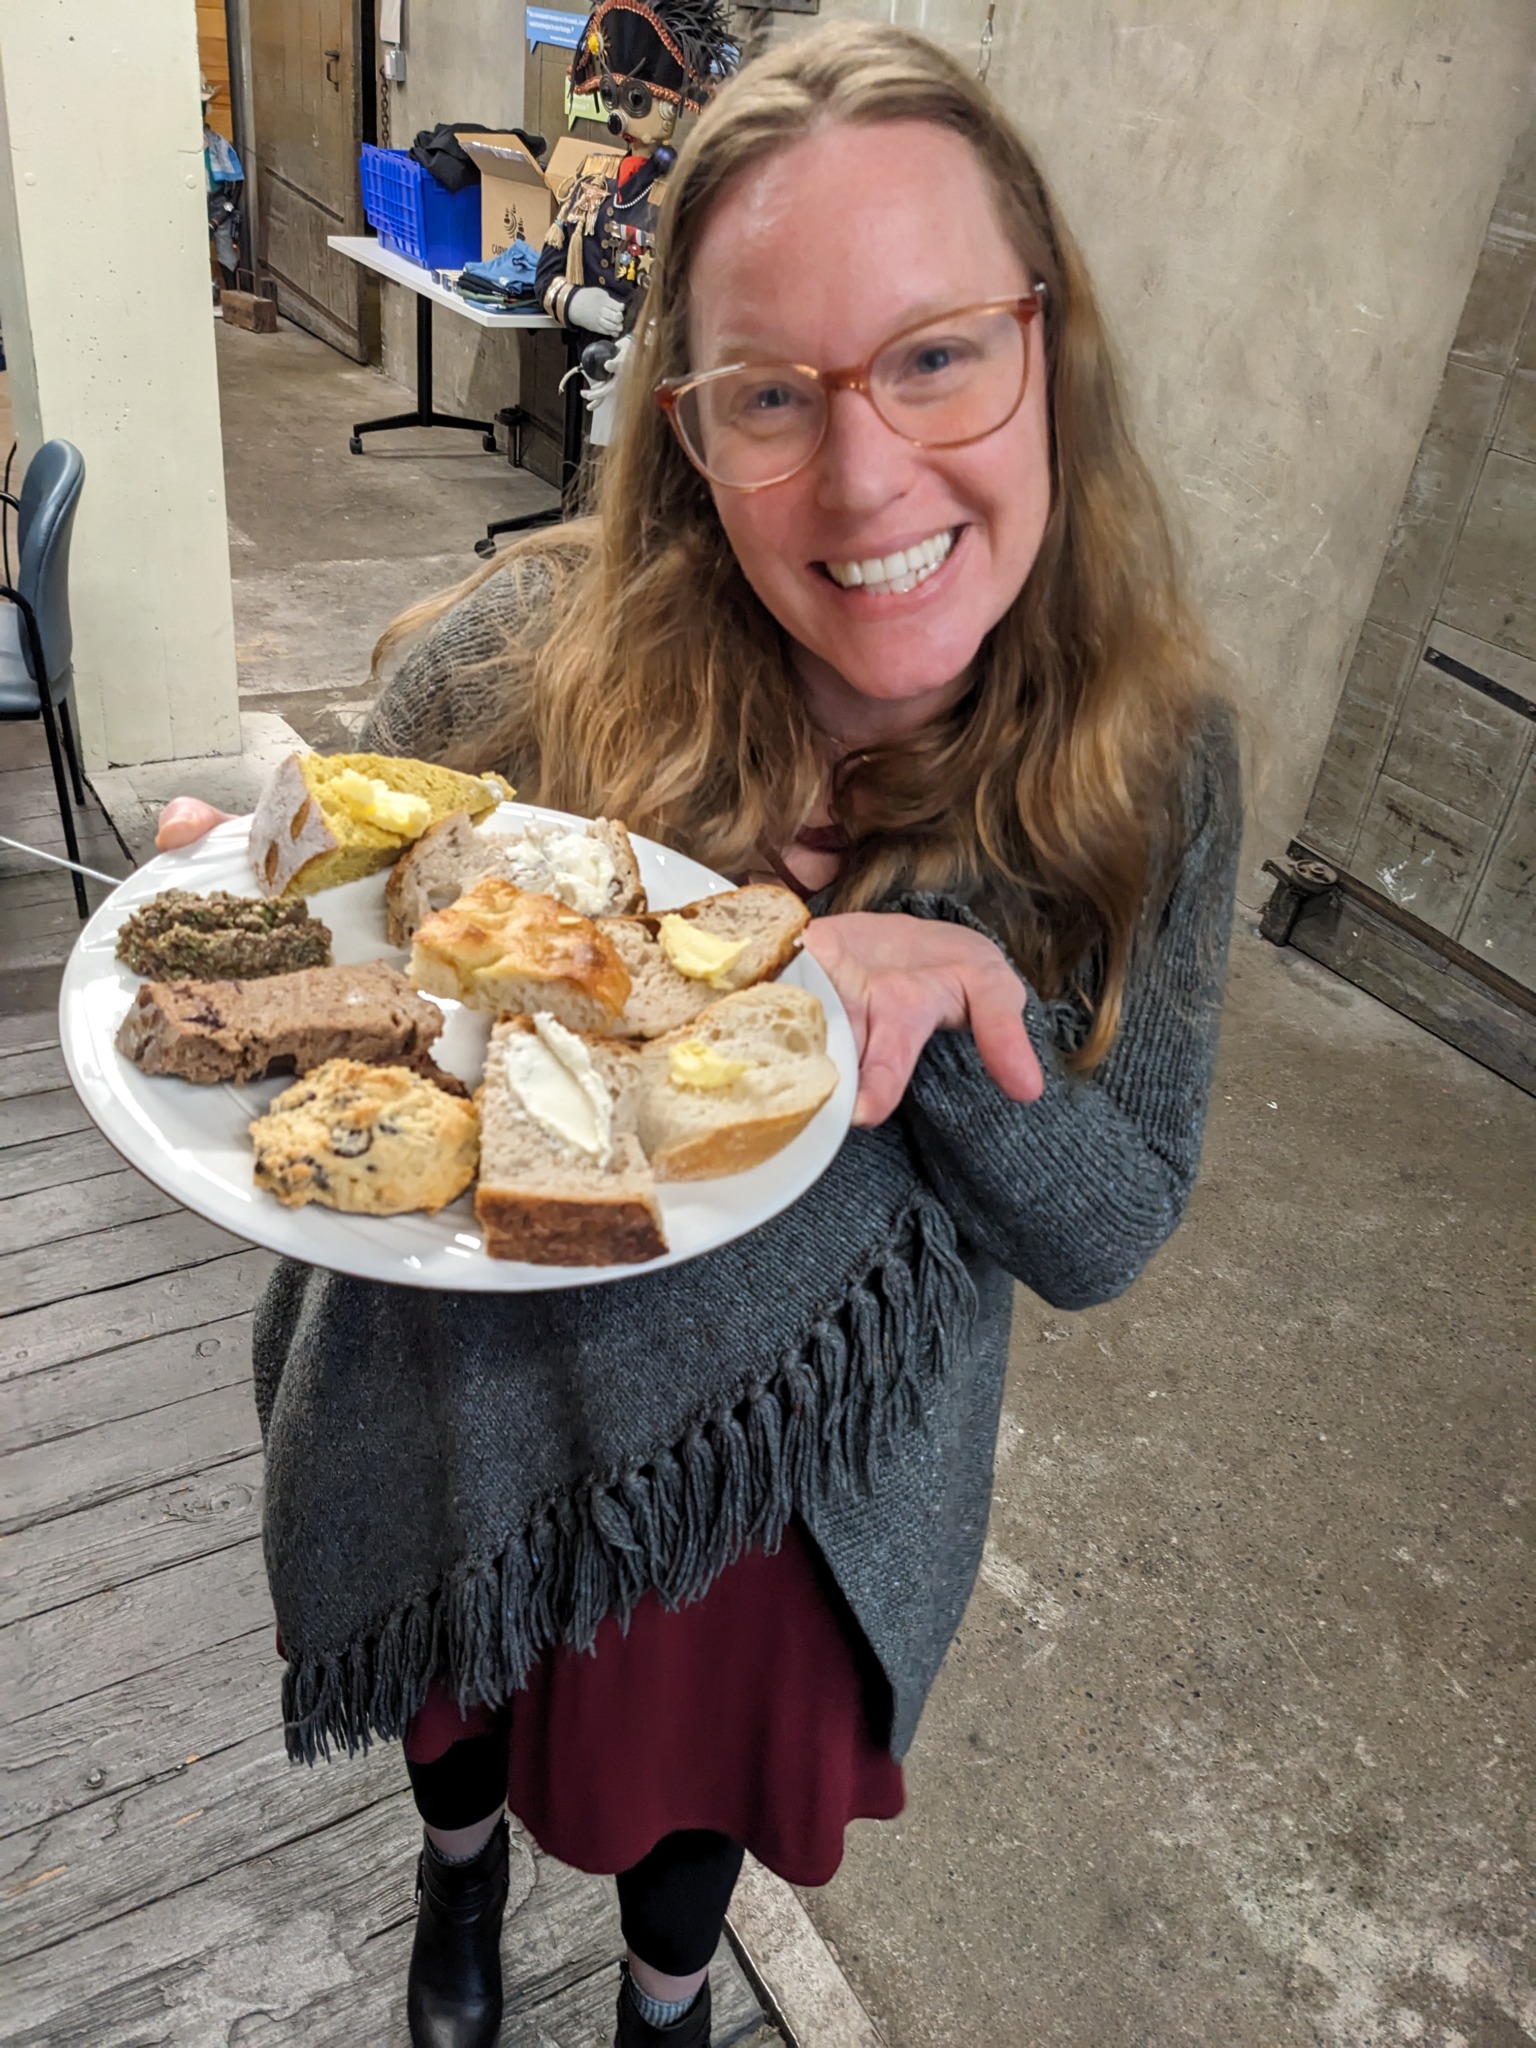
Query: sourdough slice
<point>543,1201</point>
<point>767,918</point>
<point>451,855</point>
<point>499,948</point>
<point>695,1133</point>
<point>368,1141</point>
<point>305,836</point>
<point>285,1023</point>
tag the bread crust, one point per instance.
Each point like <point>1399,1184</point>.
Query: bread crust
<point>568,1231</point>
<point>732,1150</point>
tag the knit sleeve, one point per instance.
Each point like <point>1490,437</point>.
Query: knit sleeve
<point>453,684</point>
<point>1072,1194</point>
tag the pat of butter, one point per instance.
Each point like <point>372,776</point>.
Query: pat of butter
<point>693,1064</point>
<point>701,955</point>
<point>374,803</point>
<point>551,1073</point>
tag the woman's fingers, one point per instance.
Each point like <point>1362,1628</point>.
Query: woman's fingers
<point>895,1032</point>
<point>184,820</point>
<point>995,1011</point>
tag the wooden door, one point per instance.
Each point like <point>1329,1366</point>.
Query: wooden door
<point>307,73</point>
<point>1426,799</point>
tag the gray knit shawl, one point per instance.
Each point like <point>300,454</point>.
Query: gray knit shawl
<point>456,1482</point>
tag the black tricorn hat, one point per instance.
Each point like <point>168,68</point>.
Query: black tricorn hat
<point>679,48</point>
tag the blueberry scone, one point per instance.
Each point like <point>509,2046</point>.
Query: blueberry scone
<point>372,1141</point>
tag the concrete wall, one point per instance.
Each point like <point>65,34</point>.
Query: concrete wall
<point>1282,206</point>
<point>464,63</point>
<point>106,299</point>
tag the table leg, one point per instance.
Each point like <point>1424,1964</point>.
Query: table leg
<point>426,414</point>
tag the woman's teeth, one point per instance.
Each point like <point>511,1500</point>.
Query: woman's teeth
<point>895,573</point>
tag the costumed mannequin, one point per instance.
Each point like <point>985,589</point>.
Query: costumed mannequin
<point>650,61</point>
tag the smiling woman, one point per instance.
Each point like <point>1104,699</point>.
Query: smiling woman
<point>879,599</point>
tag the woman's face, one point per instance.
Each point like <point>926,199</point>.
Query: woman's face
<point>820,256</point>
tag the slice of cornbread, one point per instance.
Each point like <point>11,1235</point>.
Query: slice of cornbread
<point>329,818</point>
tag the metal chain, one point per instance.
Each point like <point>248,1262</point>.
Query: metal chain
<point>985,63</point>
<point>383,109</point>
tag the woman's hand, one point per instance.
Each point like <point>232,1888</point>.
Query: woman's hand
<point>185,819</point>
<point>903,978</point>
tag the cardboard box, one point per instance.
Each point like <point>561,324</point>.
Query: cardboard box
<point>516,197</point>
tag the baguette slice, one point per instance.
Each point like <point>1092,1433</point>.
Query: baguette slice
<point>541,1200</point>
<point>692,1133</point>
<point>454,853</point>
<point>767,917</point>
<point>304,837</point>
<point>499,948</point>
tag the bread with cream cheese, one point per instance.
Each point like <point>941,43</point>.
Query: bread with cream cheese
<point>547,1201</point>
<point>456,852</point>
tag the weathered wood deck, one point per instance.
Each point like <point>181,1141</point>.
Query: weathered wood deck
<point>166,1876</point>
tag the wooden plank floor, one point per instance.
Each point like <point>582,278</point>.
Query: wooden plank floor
<point>166,1876</point>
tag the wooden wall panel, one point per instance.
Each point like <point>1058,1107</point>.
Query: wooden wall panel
<point>1491,590</point>
<point>1362,727</point>
<point>1501,924</point>
<point>1456,745</point>
<point>1439,492</point>
<point>1421,854</point>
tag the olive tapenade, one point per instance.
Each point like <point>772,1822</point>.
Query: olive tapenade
<point>182,937</point>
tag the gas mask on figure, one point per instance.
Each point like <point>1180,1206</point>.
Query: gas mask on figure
<point>648,62</point>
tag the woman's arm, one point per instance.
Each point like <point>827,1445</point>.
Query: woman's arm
<point>451,686</point>
<point>1074,1192</point>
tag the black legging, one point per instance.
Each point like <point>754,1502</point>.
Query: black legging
<point>672,1903</point>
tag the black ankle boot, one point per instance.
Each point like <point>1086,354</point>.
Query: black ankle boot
<point>691,2031</point>
<point>453,1995</point>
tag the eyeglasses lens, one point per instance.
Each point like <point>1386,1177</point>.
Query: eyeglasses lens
<point>948,383</point>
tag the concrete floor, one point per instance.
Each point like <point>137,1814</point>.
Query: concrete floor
<point>1230,1750</point>
<point>326,547</point>
<point>1233,1748</point>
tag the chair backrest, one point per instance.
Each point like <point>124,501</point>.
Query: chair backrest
<point>44,525</point>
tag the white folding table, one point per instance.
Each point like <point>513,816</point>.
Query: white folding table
<point>368,251</point>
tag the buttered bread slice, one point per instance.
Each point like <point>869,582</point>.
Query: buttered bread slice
<point>563,1178</point>
<point>330,818</point>
<point>684,960</point>
<point>736,1085</point>
<point>501,948</point>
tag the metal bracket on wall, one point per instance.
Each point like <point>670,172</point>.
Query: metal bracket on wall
<point>1295,886</point>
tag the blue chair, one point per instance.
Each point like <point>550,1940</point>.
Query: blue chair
<point>36,676</point>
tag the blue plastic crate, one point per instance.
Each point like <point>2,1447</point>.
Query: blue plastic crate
<point>413,214</point>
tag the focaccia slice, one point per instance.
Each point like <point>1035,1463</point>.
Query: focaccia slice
<point>499,948</point>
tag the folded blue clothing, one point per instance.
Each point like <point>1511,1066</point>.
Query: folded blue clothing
<point>513,267</point>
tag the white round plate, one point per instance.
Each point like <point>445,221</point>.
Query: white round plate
<point>192,1141</point>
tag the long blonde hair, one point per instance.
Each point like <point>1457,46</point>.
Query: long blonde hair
<point>662,692</point>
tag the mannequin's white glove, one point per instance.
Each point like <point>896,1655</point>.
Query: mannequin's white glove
<point>596,310</point>
<point>599,398</point>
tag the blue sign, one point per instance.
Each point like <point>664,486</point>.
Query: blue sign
<point>550,25</point>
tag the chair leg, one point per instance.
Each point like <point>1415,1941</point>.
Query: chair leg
<point>61,789</point>
<point>71,749</point>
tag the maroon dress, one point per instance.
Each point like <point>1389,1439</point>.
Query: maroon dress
<point>753,1712</point>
